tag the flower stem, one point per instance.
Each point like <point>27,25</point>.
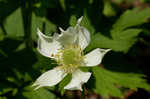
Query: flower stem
<point>83,93</point>
<point>27,16</point>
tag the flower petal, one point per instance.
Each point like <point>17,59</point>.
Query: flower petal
<point>47,46</point>
<point>67,37</point>
<point>95,57</point>
<point>78,78</point>
<point>83,37</point>
<point>50,78</point>
<point>79,20</point>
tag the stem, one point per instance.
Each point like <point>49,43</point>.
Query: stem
<point>83,93</point>
<point>3,29</point>
<point>27,16</point>
<point>43,27</point>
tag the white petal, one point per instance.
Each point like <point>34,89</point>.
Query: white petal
<point>79,20</point>
<point>47,46</point>
<point>68,37</point>
<point>83,37</point>
<point>95,57</point>
<point>50,78</point>
<point>78,78</point>
<point>40,34</point>
<point>61,29</point>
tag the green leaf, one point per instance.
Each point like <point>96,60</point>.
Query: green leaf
<point>1,97</point>
<point>41,93</point>
<point>131,18</point>
<point>43,63</point>
<point>43,24</point>
<point>14,24</point>
<point>73,20</point>
<point>101,41</point>
<point>110,83</point>
<point>108,9</point>
<point>122,35</point>
<point>1,34</point>
<point>86,23</point>
<point>62,3</point>
<point>63,83</point>
<point>127,34</point>
<point>5,88</point>
<point>85,69</point>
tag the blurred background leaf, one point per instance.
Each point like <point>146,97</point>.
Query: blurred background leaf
<point>40,94</point>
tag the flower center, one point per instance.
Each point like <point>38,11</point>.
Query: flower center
<point>70,58</point>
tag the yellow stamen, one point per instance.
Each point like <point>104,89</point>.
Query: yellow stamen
<point>70,58</point>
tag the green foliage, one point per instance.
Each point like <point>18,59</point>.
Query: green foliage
<point>63,83</point>
<point>102,41</point>
<point>87,23</point>
<point>62,3</point>
<point>131,18</point>
<point>108,9</point>
<point>41,93</point>
<point>123,34</point>
<point>43,24</point>
<point>73,20</point>
<point>110,83</point>
<point>20,66</point>
<point>12,21</point>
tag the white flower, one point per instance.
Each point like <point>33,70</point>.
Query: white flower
<point>67,49</point>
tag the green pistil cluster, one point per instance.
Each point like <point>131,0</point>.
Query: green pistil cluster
<point>70,58</point>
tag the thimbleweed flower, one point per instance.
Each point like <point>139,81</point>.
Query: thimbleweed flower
<point>67,49</point>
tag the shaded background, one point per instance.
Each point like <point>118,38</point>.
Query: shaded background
<point>21,64</point>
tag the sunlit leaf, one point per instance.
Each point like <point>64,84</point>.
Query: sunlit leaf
<point>101,41</point>
<point>14,24</point>
<point>123,35</point>
<point>43,24</point>
<point>38,94</point>
<point>109,82</point>
<point>131,18</point>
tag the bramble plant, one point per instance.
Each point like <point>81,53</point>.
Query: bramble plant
<point>103,54</point>
<point>67,49</point>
